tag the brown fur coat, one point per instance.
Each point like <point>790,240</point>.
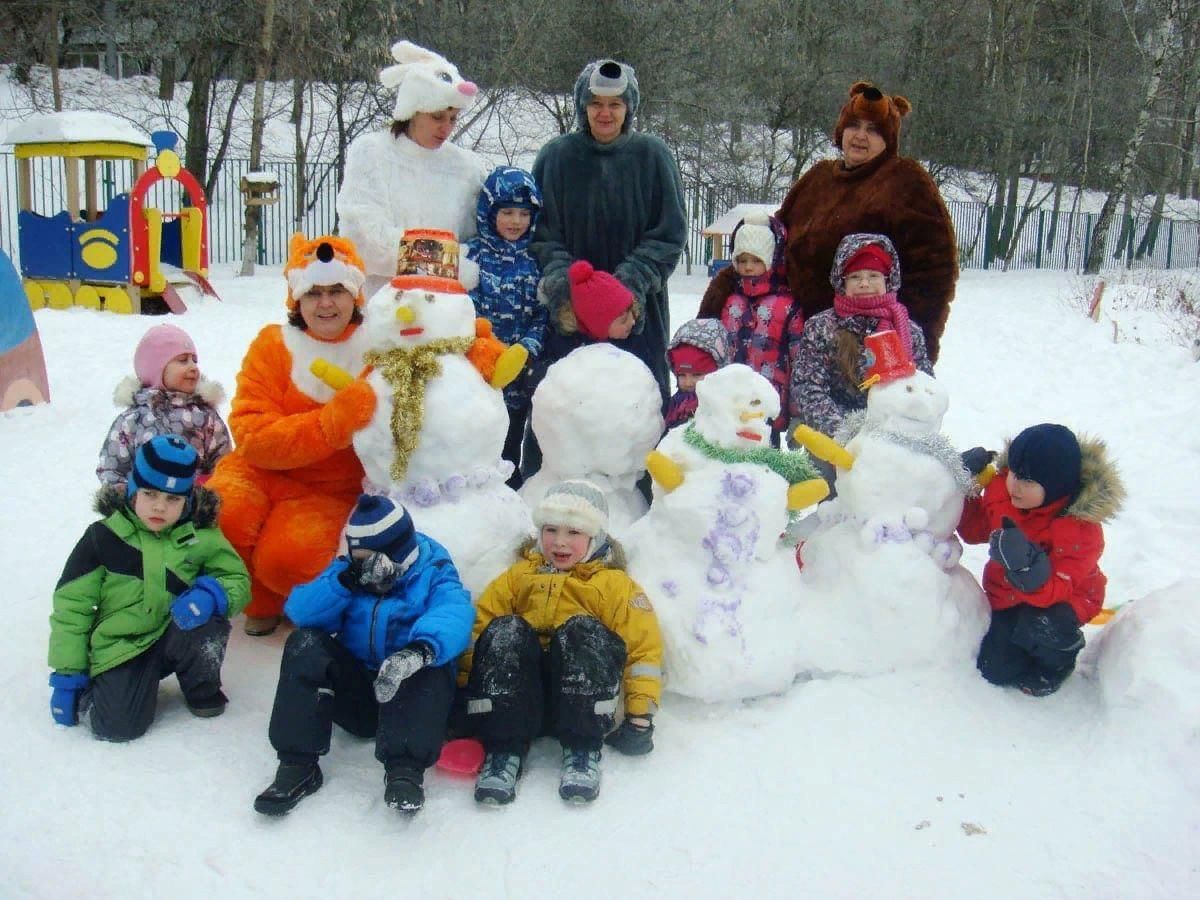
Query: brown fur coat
<point>890,195</point>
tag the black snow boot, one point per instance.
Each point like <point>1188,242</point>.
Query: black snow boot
<point>293,782</point>
<point>402,788</point>
<point>207,707</point>
<point>1042,682</point>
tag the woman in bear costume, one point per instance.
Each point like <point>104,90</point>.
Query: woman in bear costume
<point>293,477</point>
<point>870,189</point>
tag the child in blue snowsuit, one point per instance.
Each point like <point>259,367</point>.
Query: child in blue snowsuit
<point>506,296</point>
<point>377,635</point>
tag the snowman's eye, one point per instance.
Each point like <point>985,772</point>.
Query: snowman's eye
<point>429,299</point>
<point>756,403</point>
<point>909,388</point>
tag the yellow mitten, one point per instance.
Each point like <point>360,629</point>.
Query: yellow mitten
<point>664,470</point>
<point>984,478</point>
<point>823,447</point>
<point>509,366</point>
<point>330,373</point>
<point>806,493</point>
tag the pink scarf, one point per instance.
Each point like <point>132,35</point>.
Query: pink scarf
<point>884,307</point>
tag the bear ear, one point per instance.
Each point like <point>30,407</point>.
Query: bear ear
<point>859,86</point>
<point>902,105</point>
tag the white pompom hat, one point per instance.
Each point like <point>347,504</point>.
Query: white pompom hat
<point>424,81</point>
<point>575,504</point>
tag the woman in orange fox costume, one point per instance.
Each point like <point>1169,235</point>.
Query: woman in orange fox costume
<point>292,478</point>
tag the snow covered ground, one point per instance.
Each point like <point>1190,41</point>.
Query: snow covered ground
<point>911,784</point>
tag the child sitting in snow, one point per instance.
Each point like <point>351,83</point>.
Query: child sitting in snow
<point>166,396</point>
<point>376,635</point>
<point>554,638</point>
<point>699,348</point>
<point>147,591</point>
<point>508,278</point>
<point>831,364</point>
<point>1042,518</point>
<point>762,320</point>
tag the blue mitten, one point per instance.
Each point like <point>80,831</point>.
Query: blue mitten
<point>197,604</point>
<point>64,699</point>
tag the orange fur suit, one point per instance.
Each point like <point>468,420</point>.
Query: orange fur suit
<point>290,483</point>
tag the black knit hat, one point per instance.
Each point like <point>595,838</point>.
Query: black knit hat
<point>1048,454</point>
<point>164,463</point>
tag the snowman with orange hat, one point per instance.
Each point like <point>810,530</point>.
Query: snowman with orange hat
<point>882,560</point>
<point>435,442</point>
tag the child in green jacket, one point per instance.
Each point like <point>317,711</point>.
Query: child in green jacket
<point>147,591</point>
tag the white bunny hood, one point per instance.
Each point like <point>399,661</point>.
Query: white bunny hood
<point>424,81</point>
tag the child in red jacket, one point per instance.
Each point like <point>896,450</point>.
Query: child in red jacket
<point>1041,517</point>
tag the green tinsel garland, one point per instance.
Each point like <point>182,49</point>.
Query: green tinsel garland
<point>406,370</point>
<point>793,467</point>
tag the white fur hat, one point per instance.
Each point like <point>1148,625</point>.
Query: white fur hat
<point>755,238</point>
<point>424,82</point>
<point>576,504</point>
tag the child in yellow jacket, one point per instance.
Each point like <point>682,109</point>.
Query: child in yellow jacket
<point>555,638</point>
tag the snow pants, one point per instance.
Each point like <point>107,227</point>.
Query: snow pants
<point>321,682</point>
<point>119,704</point>
<point>517,691</point>
<point>1030,640</point>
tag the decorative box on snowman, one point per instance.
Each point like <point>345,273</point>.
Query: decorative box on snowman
<point>436,438</point>
<point>882,584</point>
<point>709,553</point>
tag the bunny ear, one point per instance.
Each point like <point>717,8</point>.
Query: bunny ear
<point>407,52</point>
<point>392,76</point>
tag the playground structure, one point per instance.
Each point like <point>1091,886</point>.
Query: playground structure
<point>129,257</point>
<point>22,364</point>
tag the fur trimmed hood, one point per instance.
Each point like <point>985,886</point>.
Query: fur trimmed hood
<point>1101,494</point>
<point>130,391</point>
<point>613,556</point>
<point>205,504</point>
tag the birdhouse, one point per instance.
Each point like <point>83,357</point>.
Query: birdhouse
<point>260,188</point>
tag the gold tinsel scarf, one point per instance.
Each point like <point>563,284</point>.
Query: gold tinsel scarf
<point>406,371</point>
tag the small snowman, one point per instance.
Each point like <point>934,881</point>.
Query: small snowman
<point>709,552</point>
<point>435,441</point>
<point>883,588</point>
<point>596,414</point>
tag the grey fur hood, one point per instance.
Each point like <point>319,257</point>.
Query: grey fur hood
<point>632,94</point>
<point>1101,493</point>
<point>205,504</point>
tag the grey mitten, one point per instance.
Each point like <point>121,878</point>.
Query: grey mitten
<point>399,666</point>
<point>377,573</point>
<point>1026,565</point>
<point>977,459</point>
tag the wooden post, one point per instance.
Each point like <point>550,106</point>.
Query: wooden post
<point>89,181</point>
<point>25,184</point>
<point>71,165</point>
<point>1097,294</point>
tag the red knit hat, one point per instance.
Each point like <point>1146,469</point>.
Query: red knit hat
<point>686,359</point>
<point>887,359</point>
<point>870,256</point>
<point>597,299</point>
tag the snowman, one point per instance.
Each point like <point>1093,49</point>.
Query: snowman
<point>436,438</point>
<point>708,552</point>
<point>882,585</point>
<point>596,414</point>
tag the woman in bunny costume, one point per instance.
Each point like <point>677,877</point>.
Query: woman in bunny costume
<point>411,176</point>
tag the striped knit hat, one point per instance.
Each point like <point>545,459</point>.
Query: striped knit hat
<point>164,463</point>
<point>379,524</point>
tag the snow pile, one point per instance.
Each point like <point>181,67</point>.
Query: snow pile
<point>1147,662</point>
<point>596,415</point>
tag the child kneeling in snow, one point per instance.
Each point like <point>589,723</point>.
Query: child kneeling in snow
<point>147,591</point>
<point>376,635</point>
<point>555,636</point>
<point>1041,517</point>
<point>699,348</point>
<point>166,395</point>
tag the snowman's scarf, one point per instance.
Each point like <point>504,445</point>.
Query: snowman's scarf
<point>932,444</point>
<point>407,370</point>
<point>791,467</point>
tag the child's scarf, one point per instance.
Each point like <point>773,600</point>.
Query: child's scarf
<point>884,307</point>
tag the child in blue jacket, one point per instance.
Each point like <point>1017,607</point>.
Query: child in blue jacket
<point>377,634</point>
<point>508,207</point>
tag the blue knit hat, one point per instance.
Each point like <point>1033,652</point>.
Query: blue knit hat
<point>1048,454</point>
<point>379,524</point>
<point>164,463</point>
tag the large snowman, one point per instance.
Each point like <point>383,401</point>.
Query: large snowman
<point>596,414</point>
<point>436,439</point>
<point>708,552</point>
<point>882,585</point>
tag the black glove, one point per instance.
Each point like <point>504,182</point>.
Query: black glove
<point>977,459</point>
<point>376,574</point>
<point>1026,565</point>
<point>633,739</point>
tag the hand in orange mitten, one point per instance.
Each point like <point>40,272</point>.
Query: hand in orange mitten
<point>350,409</point>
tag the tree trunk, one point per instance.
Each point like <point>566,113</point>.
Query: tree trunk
<point>53,12</point>
<point>166,78</point>
<point>257,123</point>
<point>300,186</point>
<point>1162,39</point>
<point>198,108</point>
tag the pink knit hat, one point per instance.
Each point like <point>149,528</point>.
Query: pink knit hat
<point>159,346</point>
<point>597,299</point>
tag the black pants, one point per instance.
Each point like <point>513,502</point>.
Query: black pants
<point>1030,640</point>
<point>517,691</point>
<point>321,682</point>
<point>119,704</point>
<point>517,417</point>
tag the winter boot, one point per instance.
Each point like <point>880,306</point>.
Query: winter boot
<point>293,782</point>
<point>497,781</point>
<point>207,707</point>
<point>1042,682</point>
<point>580,781</point>
<point>402,788</point>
